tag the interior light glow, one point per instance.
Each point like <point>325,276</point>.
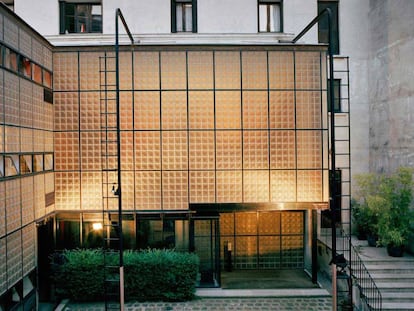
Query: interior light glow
<point>97,226</point>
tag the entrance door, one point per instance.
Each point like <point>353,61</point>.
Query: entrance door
<point>262,239</point>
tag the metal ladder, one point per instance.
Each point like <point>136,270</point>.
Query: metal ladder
<point>110,194</point>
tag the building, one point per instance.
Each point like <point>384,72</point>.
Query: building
<point>224,129</point>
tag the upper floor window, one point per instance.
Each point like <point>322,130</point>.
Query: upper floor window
<point>184,16</point>
<point>270,16</point>
<point>337,95</point>
<point>323,36</point>
<point>80,17</point>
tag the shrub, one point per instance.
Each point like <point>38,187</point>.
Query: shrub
<point>149,275</point>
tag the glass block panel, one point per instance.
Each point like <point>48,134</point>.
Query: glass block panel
<point>281,70</point>
<point>229,186</point>
<point>13,205</point>
<point>255,150</point>
<point>256,186</point>
<point>29,251</point>
<point>147,190</point>
<point>1,95</point>
<point>27,197</point>
<point>308,110</point>
<point>26,141</point>
<point>148,151</point>
<point>25,43</point>
<point>14,257</point>
<point>246,223</point>
<point>201,150</point>
<point>307,69</point>
<point>200,70</point>
<point>201,110</point>
<point>66,151</point>
<point>246,252</point>
<point>11,33</point>
<point>282,110</point>
<point>282,149</point>
<point>65,67</point>
<point>174,110</point>
<point>228,150</point>
<point>91,190</point>
<point>125,72</point>
<point>127,150</point>
<point>47,58</point>
<point>88,69</point>
<point>3,263</point>
<point>309,149</point>
<point>227,224</point>
<point>11,99</point>
<point>269,223</point>
<point>227,70</point>
<point>269,252</point>
<point>254,70</point>
<point>175,190</point>
<point>37,51</point>
<point>255,110</point>
<point>67,190</point>
<point>146,71</point>
<point>26,106</point>
<point>89,111</point>
<point>310,186</point>
<point>173,70</point>
<point>128,195</point>
<point>174,150</point>
<point>228,110</point>
<point>202,187</point>
<point>126,110</point>
<point>283,186</point>
<point>292,223</point>
<point>39,196</point>
<point>2,211</point>
<point>292,252</point>
<point>146,110</point>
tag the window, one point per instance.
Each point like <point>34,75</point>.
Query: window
<point>323,36</point>
<point>25,67</point>
<point>337,95</point>
<point>183,16</point>
<point>37,73</point>
<point>11,165</point>
<point>326,220</point>
<point>80,17</point>
<point>38,162</point>
<point>270,16</point>
<point>25,164</point>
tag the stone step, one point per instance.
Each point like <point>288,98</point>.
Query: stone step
<point>392,277</point>
<point>397,268</point>
<point>397,306</point>
<point>395,286</point>
<point>398,296</point>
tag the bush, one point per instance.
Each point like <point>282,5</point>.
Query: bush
<point>149,275</point>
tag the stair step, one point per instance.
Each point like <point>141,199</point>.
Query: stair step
<point>395,286</point>
<point>397,306</point>
<point>398,296</point>
<point>392,277</point>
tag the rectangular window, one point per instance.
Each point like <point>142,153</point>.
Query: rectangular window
<point>10,59</point>
<point>183,16</point>
<point>25,67</point>
<point>337,95</point>
<point>47,78</point>
<point>48,161</point>
<point>80,17</point>
<point>38,162</point>
<point>26,164</point>
<point>11,164</point>
<point>323,35</point>
<point>270,16</point>
<point>37,73</point>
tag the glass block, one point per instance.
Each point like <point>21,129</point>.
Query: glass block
<point>227,70</point>
<point>255,110</point>
<point>88,67</point>
<point>128,195</point>
<point>127,150</point>
<point>1,95</point>
<point>246,252</point>
<point>14,257</point>
<point>66,111</point>
<point>269,223</point>
<point>37,51</point>
<point>173,110</point>
<point>126,110</point>
<point>229,186</point>
<point>146,110</point>
<point>29,251</point>
<point>89,111</point>
<point>146,71</point>
<point>269,252</point>
<point>309,149</point>
<point>227,224</point>
<point>27,197</point>
<point>91,190</point>
<point>66,151</point>
<point>228,150</point>
<point>38,141</point>
<point>148,150</point>
<point>256,186</point>
<point>26,106</point>
<point>11,33</point>
<point>65,67</point>
<point>308,110</point>
<point>202,187</point>
<point>173,71</point>
<point>2,210</point>
<point>282,110</point>
<point>125,72</point>
<point>201,150</point>
<point>255,150</point>
<point>292,252</point>
<point>200,70</point>
<point>228,110</point>
<point>292,223</point>
<point>254,70</point>
<point>281,70</point>
<point>283,186</point>
<point>148,190</point>
<point>310,186</point>
<point>1,38</point>
<point>174,150</point>
<point>47,58</point>
<point>3,262</point>
<point>175,190</point>
<point>39,196</point>
<point>25,43</point>
<point>282,149</point>
<point>308,70</point>
<point>201,110</point>
<point>12,139</point>
<point>246,223</point>
<point>90,151</point>
<point>26,140</point>
<point>11,99</point>
<point>67,190</point>
<point>1,139</point>
<point>49,182</point>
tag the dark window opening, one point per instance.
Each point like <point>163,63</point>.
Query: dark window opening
<point>323,36</point>
<point>337,95</point>
<point>80,18</point>
<point>270,16</point>
<point>328,215</point>
<point>184,16</point>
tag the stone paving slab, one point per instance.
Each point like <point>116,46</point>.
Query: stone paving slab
<point>221,304</point>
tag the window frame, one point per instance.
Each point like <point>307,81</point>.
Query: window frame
<point>174,4</point>
<point>323,24</point>
<point>89,22</point>
<point>267,3</point>
<point>337,95</point>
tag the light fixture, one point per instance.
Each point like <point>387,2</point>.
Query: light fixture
<point>97,226</point>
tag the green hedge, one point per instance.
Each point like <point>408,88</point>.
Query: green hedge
<point>150,275</point>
